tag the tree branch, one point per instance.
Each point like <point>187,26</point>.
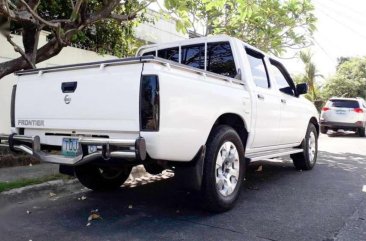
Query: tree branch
<point>75,11</point>
<point>18,49</point>
<point>36,16</point>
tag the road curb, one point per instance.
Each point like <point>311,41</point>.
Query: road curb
<point>35,191</point>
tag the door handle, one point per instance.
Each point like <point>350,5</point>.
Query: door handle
<point>261,97</point>
<point>283,101</point>
<point>69,87</point>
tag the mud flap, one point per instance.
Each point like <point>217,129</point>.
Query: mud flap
<point>189,175</point>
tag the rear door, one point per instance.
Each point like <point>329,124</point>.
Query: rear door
<point>267,117</point>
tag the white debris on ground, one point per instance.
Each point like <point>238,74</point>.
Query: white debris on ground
<point>82,198</point>
<point>139,177</point>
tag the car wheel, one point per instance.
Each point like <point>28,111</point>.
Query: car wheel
<point>102,178</point>
<point>323,130</point>
<point>224,169</point>
<point>306,159</point>
<point>361,132</point>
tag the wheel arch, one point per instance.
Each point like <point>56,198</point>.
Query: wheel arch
<point>236,122</point>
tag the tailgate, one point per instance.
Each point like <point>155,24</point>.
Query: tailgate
<point>103,99</point>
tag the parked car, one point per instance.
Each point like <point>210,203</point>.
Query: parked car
<point>203,107</point>
<point>344,113</point>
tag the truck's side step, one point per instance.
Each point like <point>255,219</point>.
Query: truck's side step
<point>258,156</point>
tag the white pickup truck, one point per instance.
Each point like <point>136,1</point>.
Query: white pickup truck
<point>203,107</point>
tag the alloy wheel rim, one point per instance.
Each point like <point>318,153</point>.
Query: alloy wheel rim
<point>227,169</point>
<point>312,147</point>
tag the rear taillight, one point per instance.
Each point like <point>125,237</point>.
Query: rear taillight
<point>325,108</point>
<point>12,107</point>
<point>149,103</point>
<point>358,110</point>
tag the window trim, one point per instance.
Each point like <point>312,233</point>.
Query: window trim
<point>285,74</point>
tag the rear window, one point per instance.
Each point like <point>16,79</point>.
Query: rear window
<point>344,103</point>
<point>220,59</point>
<point>170,54</point>
<point>149,53</point>
<point>194,56</point>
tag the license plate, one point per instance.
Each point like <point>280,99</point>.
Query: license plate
<point>340,112</point>
<point>70,147</point>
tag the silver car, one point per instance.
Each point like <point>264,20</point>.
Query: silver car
<point>345,114</point>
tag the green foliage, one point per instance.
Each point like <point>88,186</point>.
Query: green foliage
<point>310,75</point>
<point>349,80</point>
<point>105,37</point>
<point>271,25</point>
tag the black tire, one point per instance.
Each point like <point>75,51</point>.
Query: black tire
<point>361,132</point>
<point>323,130</point>
<point>302,160</point>
<point>102,178</point>
<point>213,200</point>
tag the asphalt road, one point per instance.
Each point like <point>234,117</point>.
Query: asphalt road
<point>277,203</point>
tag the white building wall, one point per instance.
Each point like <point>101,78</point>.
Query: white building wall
<point>163,30</point>
<point>68,55</point>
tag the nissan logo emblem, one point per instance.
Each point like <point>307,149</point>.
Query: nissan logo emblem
<point>67,99</point>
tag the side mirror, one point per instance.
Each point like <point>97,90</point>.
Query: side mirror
<point>301,89</point>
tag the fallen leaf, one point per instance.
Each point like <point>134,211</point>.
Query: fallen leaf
<point>94,215</point>
<point>51,194</point>
<point>259,169</point>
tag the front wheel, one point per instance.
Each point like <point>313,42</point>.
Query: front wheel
<point>224,169</point>
<point>306,159</point>
<point>102,178</point>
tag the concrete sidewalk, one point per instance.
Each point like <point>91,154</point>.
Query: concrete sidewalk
<point>10,174</point>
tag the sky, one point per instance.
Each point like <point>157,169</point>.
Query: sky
<point>341,31</point>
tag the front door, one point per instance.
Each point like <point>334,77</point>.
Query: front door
<point>293,120</point>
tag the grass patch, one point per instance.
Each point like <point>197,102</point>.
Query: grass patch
<point>6,186</point>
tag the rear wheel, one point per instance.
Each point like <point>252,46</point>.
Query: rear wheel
<point>224,169</point>
<point>306,159</point>
<point>323,130</point>
<point>361,132</point>
<point>102,178</point>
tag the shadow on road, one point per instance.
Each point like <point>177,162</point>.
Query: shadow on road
<point>346,134</point>
<point>277,203</point>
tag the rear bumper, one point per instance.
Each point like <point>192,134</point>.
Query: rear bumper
<point>341,125</point>
<point>111,148</point>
